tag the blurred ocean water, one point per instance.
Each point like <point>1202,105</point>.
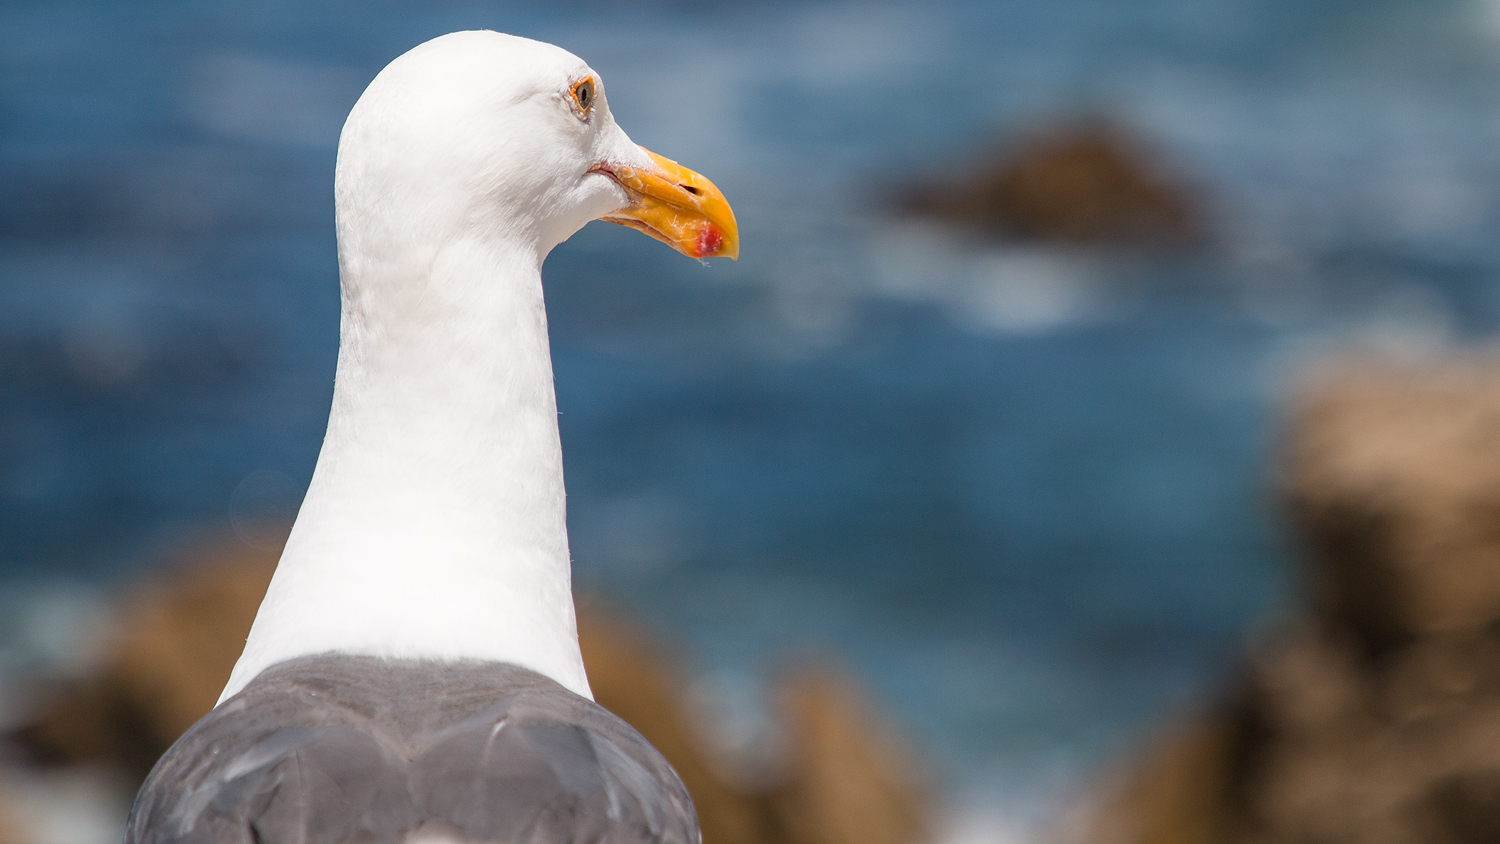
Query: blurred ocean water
<point>1023,491</point>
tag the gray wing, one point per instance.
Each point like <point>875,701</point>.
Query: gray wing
<point>333,749</point>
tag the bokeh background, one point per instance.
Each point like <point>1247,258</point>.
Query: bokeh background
<point>1020,489</point>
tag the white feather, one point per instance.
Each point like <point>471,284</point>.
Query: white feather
<point>435,524</point>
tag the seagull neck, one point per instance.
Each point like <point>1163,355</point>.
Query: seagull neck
<point>435,524</point>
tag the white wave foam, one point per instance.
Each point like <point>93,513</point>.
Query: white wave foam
<point>990,289</point>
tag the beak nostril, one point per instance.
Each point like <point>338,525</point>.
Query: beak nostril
<point>690,189</point>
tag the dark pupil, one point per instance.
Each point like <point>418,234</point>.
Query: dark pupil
<point>585,92</point>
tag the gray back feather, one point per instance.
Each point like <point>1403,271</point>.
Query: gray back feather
<point>333,748</point>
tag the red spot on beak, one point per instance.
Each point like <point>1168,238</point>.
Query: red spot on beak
<point>710,241</point>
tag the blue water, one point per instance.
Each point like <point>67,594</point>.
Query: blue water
<point>1024,493</point>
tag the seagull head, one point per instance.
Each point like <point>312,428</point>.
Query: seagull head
<point>480,131</point>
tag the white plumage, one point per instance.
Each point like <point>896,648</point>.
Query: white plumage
<point>414,671</point>
<point>435,522</point>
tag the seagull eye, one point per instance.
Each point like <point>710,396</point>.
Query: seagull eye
<point>583,94</point>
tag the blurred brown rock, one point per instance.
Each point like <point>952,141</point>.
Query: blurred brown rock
<point>180,634</point>
<point>1175,794</point>
<point>12,830</point>
<point>849,781</point>
<point>631,678</point>
<point>1374,719</point>
<point>177,639</point>
<point>1088,184</point>
<point>1393,480</point>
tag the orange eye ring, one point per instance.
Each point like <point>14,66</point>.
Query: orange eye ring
<point>583,94</point>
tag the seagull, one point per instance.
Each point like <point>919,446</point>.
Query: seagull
<point>413,674</point>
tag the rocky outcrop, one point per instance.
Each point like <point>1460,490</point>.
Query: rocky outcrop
<point>846,780</point>
<point>630,678</point>
<point>1083,185</point>
<point>1393,481</point>
<point>13,829</point>
<point>177,639</point>
<point>1375,717</point>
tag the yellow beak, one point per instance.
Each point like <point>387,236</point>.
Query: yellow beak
<point>677,207</point>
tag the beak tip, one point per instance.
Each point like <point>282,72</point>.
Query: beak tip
<point>714,243</point>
